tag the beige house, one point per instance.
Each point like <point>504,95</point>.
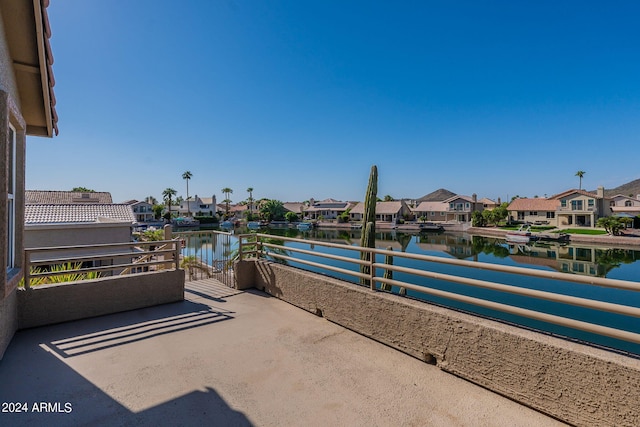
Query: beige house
<point>54,225</point>
<point>391,212</point>
<point>581,208</point>
<point>624,205</point>
<point>538,210</point>
<point>27,107</point>
<point>455,209</point>
<point>570,208</point>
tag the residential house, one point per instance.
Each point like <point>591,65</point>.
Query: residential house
<point>391,212</point>
<point>198,206</point>
<point>326,209</point>
<point>581,208</point>
<point>453,209</point>
<point>143,211</point>
<point>295,207</point>
<point>625,206</point>
<point>488,204</point>
<point>569,208</point>
<point>52,225</point>
<point>538,210</point>
<point>431,211</point>
<point>27,107</point>
<point>68,218</point>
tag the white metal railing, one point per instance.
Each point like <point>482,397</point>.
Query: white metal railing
<point>80,261</point>
<point>258,245</point>
<point>207,254</point>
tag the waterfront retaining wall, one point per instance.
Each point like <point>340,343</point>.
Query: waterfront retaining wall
<point>576,383</point>
<point>47,304</point>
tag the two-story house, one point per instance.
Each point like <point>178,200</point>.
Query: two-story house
<point>27,107</point>
<point>198,206</point>
<point>581,208</point>
<point>569,208</point>
<point>143,211</point>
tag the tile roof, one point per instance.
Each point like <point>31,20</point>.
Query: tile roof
<point>77,213</point>
<point>536,204</point>
<point>295,207</point>
<point>431,207</point>
<point>573,191</point>
<point>381,208</point>
<point>38,197</point>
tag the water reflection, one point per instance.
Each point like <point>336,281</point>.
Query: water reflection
<point>588,260</point>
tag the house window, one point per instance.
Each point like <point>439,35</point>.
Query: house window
<point>628,203</point>
<point>533,213</point>
<point>442,214</point>
<point>612,203</point>
<point>551,214</point>
<point>576,205</point>
<point>590,203</point>
<point>520,216</point>
<point>433,213</point>
<point>563,203</point>
<point>11,204</point>
<point>467,205</point>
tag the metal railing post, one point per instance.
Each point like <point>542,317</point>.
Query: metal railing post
<point>176,254</point>
<point>240,244</point>
<point>372,270</point>
<point>27,270</point>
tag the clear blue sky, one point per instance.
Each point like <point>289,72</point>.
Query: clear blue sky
<point>298,99</point>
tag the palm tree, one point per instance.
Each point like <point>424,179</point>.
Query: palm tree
<point>167,195</point>
<point>227,191</point>
<point>151,200</point>
<point>187,176</point>
<point>250,199</point>
<point>580,174</point>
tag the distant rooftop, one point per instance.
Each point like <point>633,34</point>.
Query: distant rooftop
<point>39,197</point>
<point>77,213</point>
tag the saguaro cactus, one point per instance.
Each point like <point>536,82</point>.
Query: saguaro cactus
<point>367,240</point>
<point>388,274</point>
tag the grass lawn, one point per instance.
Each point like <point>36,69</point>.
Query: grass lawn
<point>533,227</point>
<point>589,231</point>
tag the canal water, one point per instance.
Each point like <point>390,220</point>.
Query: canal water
<point>585,260</point>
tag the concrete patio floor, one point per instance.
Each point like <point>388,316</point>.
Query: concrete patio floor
<point>229,358</point>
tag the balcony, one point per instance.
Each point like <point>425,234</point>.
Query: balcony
<point>240,356</point>
<point>227,357</point>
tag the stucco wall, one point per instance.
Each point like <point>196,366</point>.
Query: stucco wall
<point>38,236</point>
<point>49,304</point>
<point>8,320</point>
<point>575,383</point>
<point>7,77</point>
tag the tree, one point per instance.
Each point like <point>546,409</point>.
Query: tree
<point>580,174</point>
<point>83,190</point>
<point>250,199</point>
<point>157,211</point>
<point>291,216</point>
<point>227,200</point>
<point>167,196</point>
<point>611,224</point>
<point>151,200</point>
<point>187,176</point>
<point>272,210</point>
<point>478,219</point>
<point>388,198</point>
